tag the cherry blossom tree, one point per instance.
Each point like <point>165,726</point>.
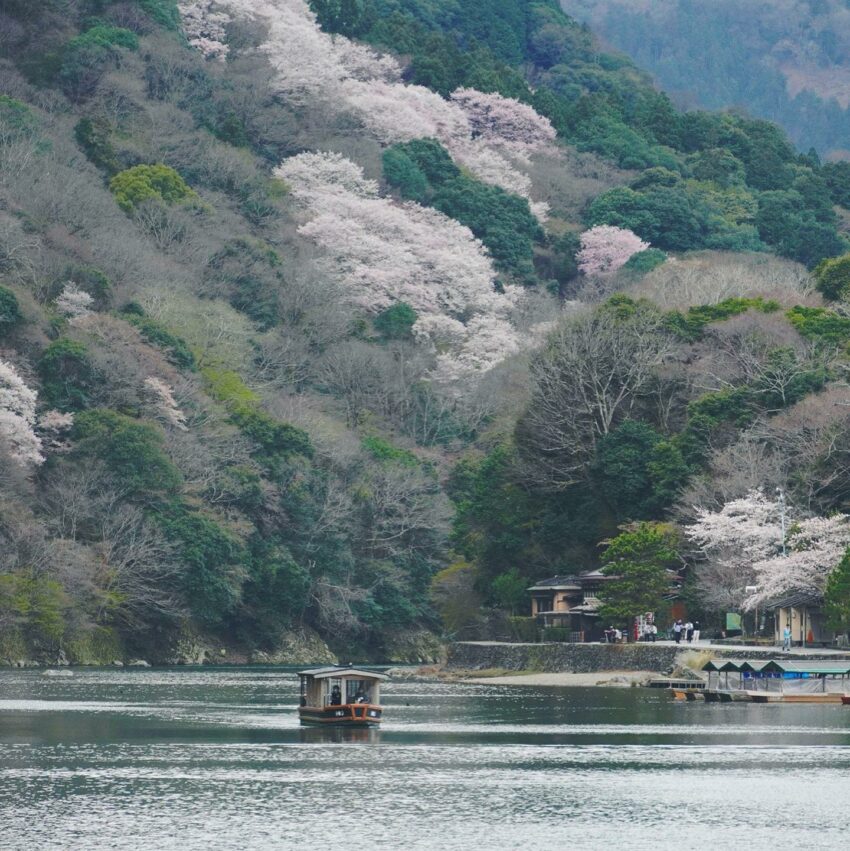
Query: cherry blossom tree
<point>74,302</point>
<point>605,248</point>
<point>505,121</point>
<point>165,402</point>
<point>732,541</point>
<point>814,549</point>
<point>17,417</point>
<point>489,134</point>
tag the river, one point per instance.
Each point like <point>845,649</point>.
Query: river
<point>191,759</point>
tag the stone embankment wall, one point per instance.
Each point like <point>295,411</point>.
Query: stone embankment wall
<point>588,658</point>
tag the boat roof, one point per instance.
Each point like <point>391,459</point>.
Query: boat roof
<point>339,671</point>
<point>780,666</point>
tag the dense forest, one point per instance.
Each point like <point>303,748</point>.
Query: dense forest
<point>326,328</point>
<point>789,60</point>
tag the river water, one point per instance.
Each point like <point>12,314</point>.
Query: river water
<point>214,759</point>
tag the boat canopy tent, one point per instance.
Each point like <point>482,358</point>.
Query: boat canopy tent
<point>337,672</point>
<point>772,667</point>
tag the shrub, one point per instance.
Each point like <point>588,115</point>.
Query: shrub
<point>383,450</point>
<point>396,322</point>
<point>276,439</point>
<point>132,450</point>
<point>10,311</point>
<point>214,559</point>
<point>133,186</point>
<point>645,261</point>
<point>820,325</point>
<point>92,136</point>
<point>832,277</point>
<point>93,282</point>
<point>67,375</point>
<point>175,348</point>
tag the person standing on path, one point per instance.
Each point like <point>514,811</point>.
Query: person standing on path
<point>689,632</point>
<point>786,637</point>
<point>677,631</point>
<point>696,631</point>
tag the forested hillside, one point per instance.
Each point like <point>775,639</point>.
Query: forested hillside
<point>784,60</point>
<point>320,322</point>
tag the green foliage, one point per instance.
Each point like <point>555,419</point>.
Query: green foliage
<point>251,271</point>
<point>641,558</point>
<point>637,472</point>
<point>67,375</point>
<point>36,604</point>
<point>10,311</point>
<point>837,177</point>
<point>690,326</point>
<point>87,57</point>
<point>820,324</point>
<point>401,171</point>
<point>141,183</point>
<point>837,596</point>
<point>383,450</point>
<point>214,560</point>
<point>132,450</point>
<point>93,137</point>
<point>508,590</point>
<point>175,348</point>
<point>422,170</point>
<point>832,277</point>
<point>396,322</point>
<point>276,440</point>
<point>645,261</point>
<point>275,592</point>
<point>524,629</point>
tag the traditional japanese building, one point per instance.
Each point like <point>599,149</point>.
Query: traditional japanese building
<point>570,603</point>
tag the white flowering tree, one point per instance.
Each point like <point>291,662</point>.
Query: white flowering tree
<point>814,548</point>
<point>489,134</point>
<point>605,249</point>
<point>743,533</point>
<point>17,417</point>
<point>74,302</point>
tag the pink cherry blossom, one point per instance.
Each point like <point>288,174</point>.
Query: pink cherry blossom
<point>605,249</point>
<point>17,417</point>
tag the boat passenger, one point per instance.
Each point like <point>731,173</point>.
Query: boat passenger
<point>336,696</point>
<point>361,696</point>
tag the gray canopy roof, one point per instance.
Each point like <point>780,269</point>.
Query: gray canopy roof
<point>340,672</point>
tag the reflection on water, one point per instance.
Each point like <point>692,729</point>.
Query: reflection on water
<point>214,759</point>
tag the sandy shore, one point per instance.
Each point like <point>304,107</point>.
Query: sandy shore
<point>597,678</point>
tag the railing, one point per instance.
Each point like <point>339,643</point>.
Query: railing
<point>561,635</point>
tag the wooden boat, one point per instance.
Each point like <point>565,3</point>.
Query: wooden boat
<point>341,697</point>
<point>845,699</point>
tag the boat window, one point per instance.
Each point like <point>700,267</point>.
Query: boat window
<point>335,695</point>
<point>358,691</point>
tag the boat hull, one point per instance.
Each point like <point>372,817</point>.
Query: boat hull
<point>845,699</point>
<point>346,715</point>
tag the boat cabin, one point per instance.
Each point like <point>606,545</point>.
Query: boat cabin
<point>341,695</point>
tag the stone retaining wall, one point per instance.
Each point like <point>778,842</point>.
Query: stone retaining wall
<point>588,658</point>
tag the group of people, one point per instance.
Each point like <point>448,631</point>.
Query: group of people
<point>689,631</point>
<point>361,696</point>
<point>650,632</point>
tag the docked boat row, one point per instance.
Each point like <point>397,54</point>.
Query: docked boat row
<point>773,681</point>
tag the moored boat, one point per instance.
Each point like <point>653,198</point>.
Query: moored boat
<point>341,696</point>
<point>845,699</point>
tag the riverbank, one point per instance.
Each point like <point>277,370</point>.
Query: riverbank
<point>466,658</point>
<point>608,679</point>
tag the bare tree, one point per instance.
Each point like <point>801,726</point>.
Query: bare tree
<point>594,370</point>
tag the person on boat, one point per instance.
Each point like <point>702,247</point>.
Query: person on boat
<point>677,631</point>
<point>786,638</point>
<point>361,696</point>
<point>336,696</point>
